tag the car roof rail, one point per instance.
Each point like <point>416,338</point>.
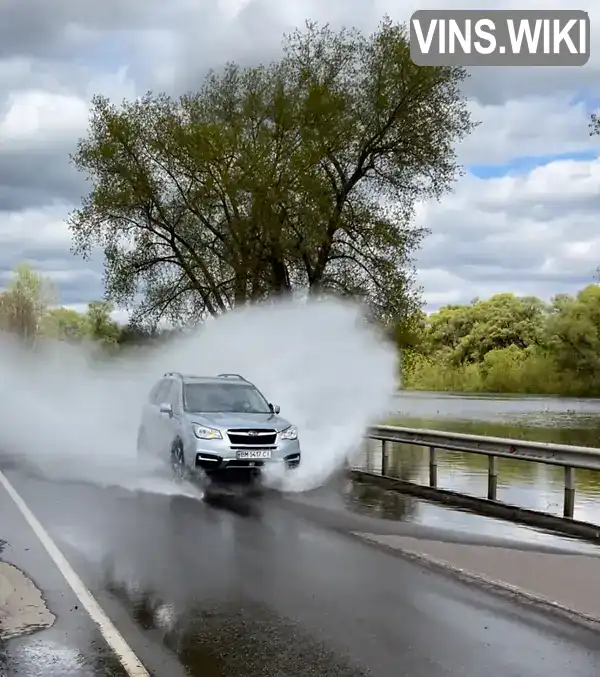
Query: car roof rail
<point>238,376</point>
<point>174,373</point>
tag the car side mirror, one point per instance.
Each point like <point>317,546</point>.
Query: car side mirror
<point>166,408</point>
<point>275,408</point>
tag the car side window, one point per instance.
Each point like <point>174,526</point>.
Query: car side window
<point>153,397</point>
<point>162,394</point>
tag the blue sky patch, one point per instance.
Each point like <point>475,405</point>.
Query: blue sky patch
<point>586,96</point>
<point>523,165</point>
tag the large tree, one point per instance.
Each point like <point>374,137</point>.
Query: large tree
<point>302,174</point>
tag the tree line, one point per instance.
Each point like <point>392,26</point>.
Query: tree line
<point>508,344</point>
<point>505,344</point>
<point>29,313</point>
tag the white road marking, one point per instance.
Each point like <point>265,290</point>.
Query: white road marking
<point>132,664</point>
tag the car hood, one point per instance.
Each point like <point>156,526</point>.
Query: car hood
<point>236,420</point>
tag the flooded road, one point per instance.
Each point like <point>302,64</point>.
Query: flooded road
<point>529,485</point>
<point>262,588</point>
<point>277,587</point>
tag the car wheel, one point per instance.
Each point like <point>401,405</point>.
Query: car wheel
<point>180,470</point>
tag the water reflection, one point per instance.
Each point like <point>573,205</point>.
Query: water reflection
<point>366,499</point>
<point>41,656</point>
<point>215,588</point>
<point>232,638</point>
<point>369,500</point>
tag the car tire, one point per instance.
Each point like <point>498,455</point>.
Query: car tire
<point>178,465</point>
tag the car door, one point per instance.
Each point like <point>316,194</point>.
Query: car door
<point>171,423</point>
<point>156,419</point>
<point>145,430</point>
<point>165,423</point>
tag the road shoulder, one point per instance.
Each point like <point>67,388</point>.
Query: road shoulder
<point>44,628</point>
<point>564,583</point>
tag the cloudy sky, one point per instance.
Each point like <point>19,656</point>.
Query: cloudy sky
<point>524,218</point>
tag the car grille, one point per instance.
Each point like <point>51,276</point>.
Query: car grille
<point>252,438</point>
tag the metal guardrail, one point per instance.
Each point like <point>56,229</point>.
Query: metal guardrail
<point>567,456</point>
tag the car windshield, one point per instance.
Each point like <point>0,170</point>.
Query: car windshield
<point>224,397</point>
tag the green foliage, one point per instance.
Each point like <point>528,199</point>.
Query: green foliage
<point>99,325</point>
<point>594,125</point>
<point>24,303</point>
<point>299,174</point>
<point>573,336</point>
<point>63,324</point>
<point>509,344</point>
<point>469,332</point>
<point>435,372</point>
<point>27,312</point>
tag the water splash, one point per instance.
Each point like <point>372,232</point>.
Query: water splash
<point>73,419</point>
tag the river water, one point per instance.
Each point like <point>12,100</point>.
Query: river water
<point>529,485</point>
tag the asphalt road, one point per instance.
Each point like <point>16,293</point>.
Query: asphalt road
<point>258,587</point>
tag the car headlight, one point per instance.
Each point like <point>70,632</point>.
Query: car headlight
<point>290,433</point>
<point>204,433</point>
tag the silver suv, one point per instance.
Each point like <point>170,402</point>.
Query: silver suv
<point>220,427</point>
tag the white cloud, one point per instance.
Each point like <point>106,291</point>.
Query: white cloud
<point>533,231</point>
<point>32,117</point>
<point>530,126</point>
<point>40,227</point>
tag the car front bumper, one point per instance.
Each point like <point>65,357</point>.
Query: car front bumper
<point>218,458</point>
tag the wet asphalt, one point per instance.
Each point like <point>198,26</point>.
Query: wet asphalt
<point>259,586</point>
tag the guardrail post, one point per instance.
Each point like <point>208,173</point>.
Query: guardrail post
<point>433,468</point>
<point>492,478</point>
<point>384,457</point>
<point>569,457</point>
<point>569,505</point>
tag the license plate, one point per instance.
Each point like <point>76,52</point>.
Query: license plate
<point>254,454</point>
